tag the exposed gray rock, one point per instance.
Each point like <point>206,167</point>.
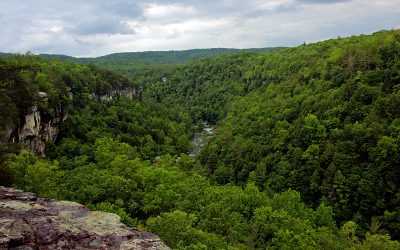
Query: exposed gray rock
<point>29,222</point>
<point>43,95</point>
<point>34,131</point>
<point>129,92</point>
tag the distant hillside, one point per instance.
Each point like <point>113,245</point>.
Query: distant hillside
<point>58,57</point>
<point>169,57</point>
<point>137,64</point>
<point>5,54</point>
<point>154,57</point>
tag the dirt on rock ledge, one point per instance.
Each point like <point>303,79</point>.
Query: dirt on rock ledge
<point>28,222</point>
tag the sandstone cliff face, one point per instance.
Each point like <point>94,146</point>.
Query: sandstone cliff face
<point>34,131</point>
<point>28,222</point>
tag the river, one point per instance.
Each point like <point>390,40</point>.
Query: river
<point>199,140</point>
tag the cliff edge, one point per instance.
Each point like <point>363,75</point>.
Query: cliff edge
<point>29,222</point>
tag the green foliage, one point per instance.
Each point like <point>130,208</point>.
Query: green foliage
<point>324,126</point>
<point>378,242</point>
<point>149,58</point>
<point>184,234</point>
<point>183,207</point>
<point>24,77</point>
<point>308,139</point>
<point>151,129</point>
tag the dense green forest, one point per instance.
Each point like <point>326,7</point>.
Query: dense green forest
<point>24,76</point>
<point>153,57</point>
<point>306,153</point>
<point>144,66</point>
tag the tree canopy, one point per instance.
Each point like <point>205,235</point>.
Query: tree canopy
<point>305,154</point>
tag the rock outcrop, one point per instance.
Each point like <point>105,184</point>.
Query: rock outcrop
<point>129,92</point>
<point>29,222</point>
<point>34,131</point>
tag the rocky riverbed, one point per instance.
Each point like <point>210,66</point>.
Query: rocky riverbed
<point>199,140</point>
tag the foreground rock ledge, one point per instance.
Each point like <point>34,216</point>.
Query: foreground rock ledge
<point>29,222</point>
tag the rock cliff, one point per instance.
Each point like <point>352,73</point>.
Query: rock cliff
<point>129,92</point>
<point>34,130</point>
<point>29,222</point>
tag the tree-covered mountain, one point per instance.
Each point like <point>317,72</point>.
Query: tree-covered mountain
<point>142,65</point>
<point>305,154</point>
<point>154,57</point>
<point>321,119</point>
<point>328,129</point>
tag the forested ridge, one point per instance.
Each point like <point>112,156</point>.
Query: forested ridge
<point>133,63</point>
<point>152,57</point>
<point>305,154</point>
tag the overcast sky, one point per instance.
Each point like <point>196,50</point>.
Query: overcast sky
<point>99,27</point>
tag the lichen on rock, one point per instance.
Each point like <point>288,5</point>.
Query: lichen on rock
<point>29,222</point>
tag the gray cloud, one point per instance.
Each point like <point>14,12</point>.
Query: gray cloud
<point>98,27</point>
<point>128,10</point>
<point>323,1</point>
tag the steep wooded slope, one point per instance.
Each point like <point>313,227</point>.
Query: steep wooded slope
<point>305,155</point>
<point>324,122</point>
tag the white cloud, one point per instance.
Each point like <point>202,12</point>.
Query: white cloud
<point>169,12</point>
